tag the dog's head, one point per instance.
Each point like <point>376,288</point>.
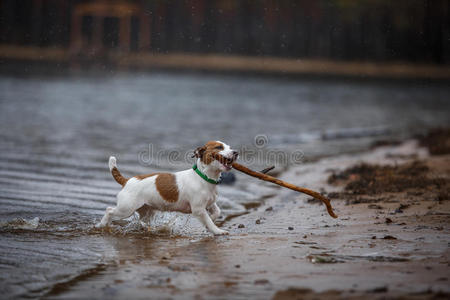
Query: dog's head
<point>216,154</point>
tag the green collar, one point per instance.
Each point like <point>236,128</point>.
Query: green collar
<point>206,178</point>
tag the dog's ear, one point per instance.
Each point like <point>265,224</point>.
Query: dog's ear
<point>199,152</point>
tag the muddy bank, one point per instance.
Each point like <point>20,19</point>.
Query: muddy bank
<point>307,294</point>
<point>390,241</point>
<point>369,183</point>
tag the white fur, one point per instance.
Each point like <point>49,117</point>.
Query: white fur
<point>195,195</point>
<point>112,163</point>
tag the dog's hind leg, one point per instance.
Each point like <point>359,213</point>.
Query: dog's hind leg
<point>106,218</point>
<point>124,209</point>
<point>145,213</point>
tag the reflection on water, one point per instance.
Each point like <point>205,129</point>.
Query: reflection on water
<point>57,133</point>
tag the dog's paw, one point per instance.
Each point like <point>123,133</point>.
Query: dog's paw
<point>221,232</point>
<point>99,225</point>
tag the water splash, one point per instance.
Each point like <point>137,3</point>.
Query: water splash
<point>20,223</point>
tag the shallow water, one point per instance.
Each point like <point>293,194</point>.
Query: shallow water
<point>57,133</point>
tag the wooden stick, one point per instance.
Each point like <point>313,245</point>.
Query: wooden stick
<point>269,178</point>
<point>267,170</point>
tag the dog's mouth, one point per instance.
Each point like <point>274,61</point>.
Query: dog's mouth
<point>226,162</point>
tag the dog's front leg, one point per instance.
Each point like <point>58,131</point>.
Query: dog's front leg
<point>214,211</point>
<point>203,216</point>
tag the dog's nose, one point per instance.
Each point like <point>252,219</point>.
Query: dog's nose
<point>235,153</point>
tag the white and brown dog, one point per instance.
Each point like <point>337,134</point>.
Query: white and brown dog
<point>189,191</point>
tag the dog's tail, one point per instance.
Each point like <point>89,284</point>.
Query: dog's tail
<point>115,172</point>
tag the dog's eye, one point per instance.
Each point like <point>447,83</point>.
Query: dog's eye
<point>219,147</point>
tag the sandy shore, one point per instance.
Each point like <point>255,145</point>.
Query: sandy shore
<point>385,243</point>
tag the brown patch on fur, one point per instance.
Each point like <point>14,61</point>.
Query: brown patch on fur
<point>118,176</point>
<point>140,177</point>
<point>167,187</point>
<point>208,151</point>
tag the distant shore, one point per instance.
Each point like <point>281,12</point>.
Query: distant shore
<point>229,63</point>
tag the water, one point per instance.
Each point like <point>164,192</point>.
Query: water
<point>58,132</point>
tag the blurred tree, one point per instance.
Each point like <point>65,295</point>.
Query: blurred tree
<point>378,30</point>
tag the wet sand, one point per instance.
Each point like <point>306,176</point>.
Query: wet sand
<point>391,244</point>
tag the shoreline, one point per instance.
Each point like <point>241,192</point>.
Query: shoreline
<point>229,63</point>
<point>289,247</point>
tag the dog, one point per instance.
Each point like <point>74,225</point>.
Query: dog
<point>189,191</point>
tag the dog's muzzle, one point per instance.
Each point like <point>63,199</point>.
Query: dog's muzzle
<point>227,162</point>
